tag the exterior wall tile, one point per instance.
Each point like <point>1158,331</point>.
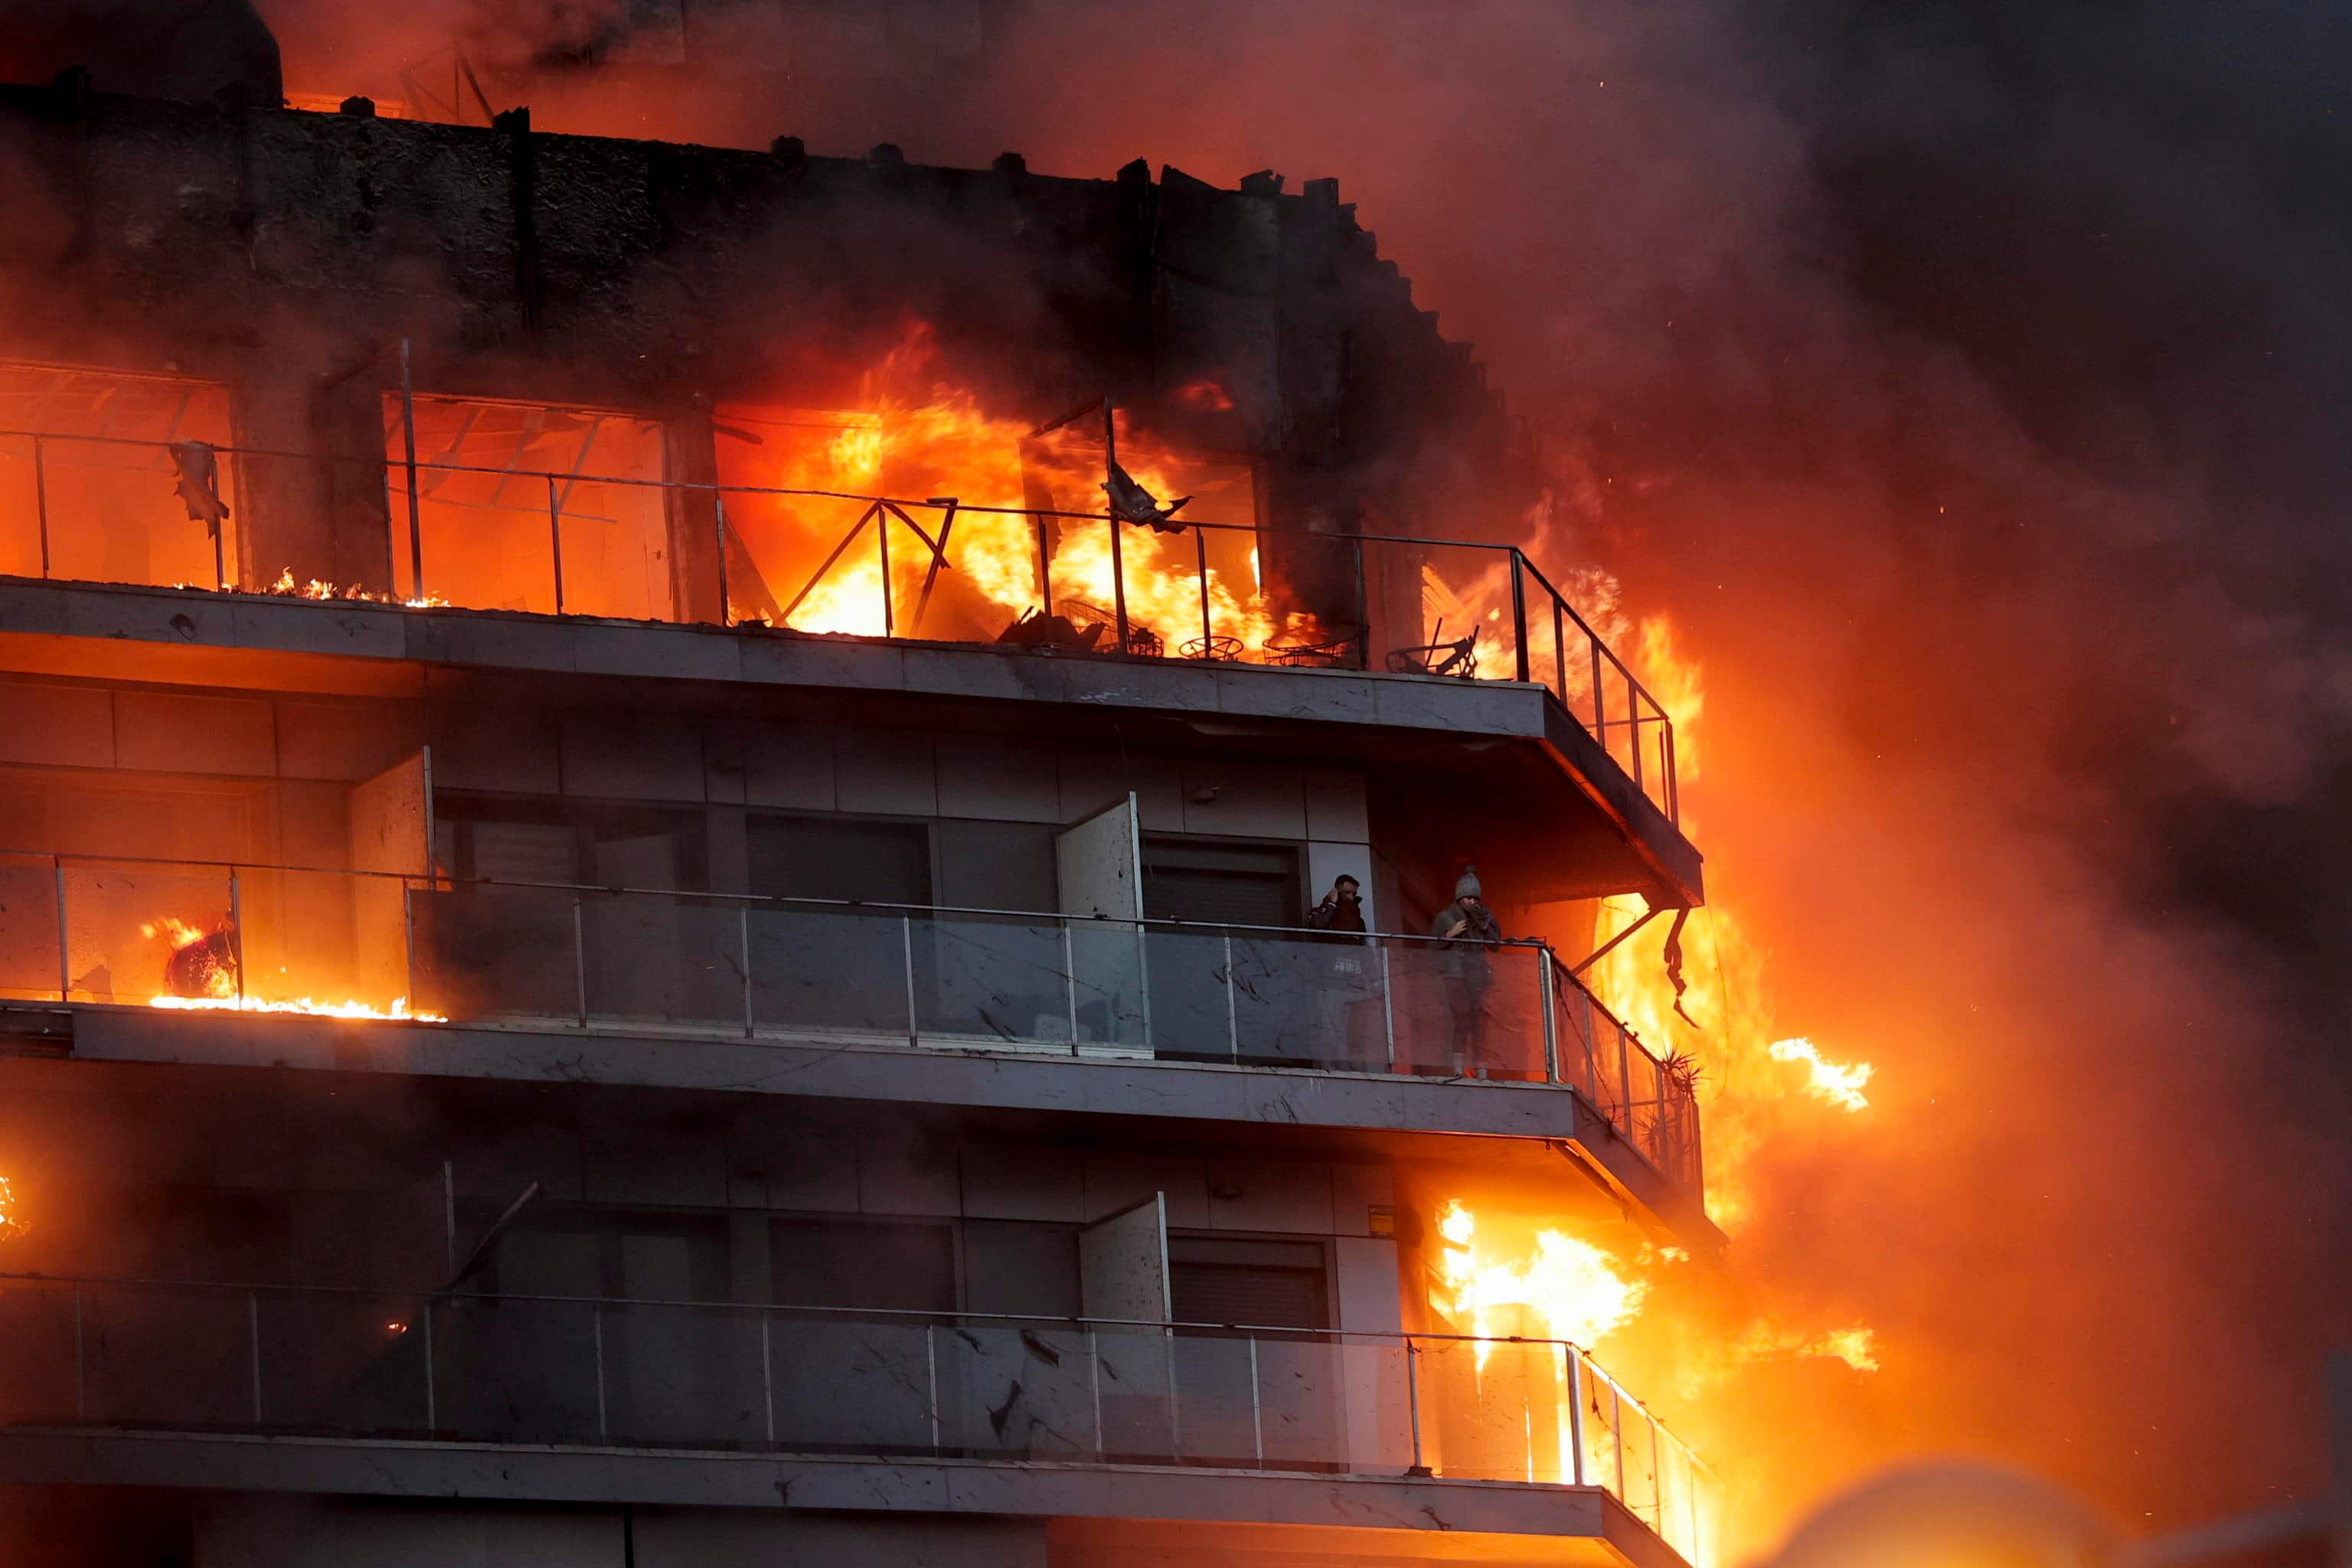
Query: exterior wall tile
<point>343,740</point>
<point>495,749</point>
<point>790,766</point>
<point>1118,1179</point>
<point>621,755</point>
<point>690,1177</point>
<point>1007,781</point>
<point>907,1180</point>
<point>1270,1194</point>
<point>1014,1181</point>
<point>1250,800</point>
<point>169,731</point>
<point>888,771</point>
<point>1356,1191</point>
<point>1336,805</point>
<point>67,726</point>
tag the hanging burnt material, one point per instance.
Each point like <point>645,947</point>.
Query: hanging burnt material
<point>1036,629</point>
<point>199,483</point>
<point>207,966</point>
<point>1129,502</point>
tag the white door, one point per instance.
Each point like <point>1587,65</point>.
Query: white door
<point>1099,866</point>
<point>1123,1277</point>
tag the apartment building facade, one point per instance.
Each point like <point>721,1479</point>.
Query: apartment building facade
<point>635,929</point>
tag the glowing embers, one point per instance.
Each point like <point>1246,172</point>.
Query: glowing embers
<point>1836,1082</point>
<point>12,1213</point>
<point>203,972</point>
<point>285,587</point>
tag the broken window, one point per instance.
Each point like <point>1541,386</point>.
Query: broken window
<point>523,506</point>
<point>88,490</point>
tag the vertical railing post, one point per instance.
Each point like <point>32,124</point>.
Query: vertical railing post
<point>1388,1005</point>
<point>1094,1381</point>
<point>931,1363</point>
<point>81,1370</point>
<point>1547,1000</point>
<point>579,959</point>
<point>597,1325</point>
<point>1363,608</point>
<point>1257,1410</point>
<point>1672,780</point>
<point>236,933</point>
<point>1233,1013</point>
<point>1201,558</point>
<point>751,1015</point>
<point>408,945</point>
<point>408,437</point>
<point>1634,695</point>
<point>1412,1402</point>
<point>1625,1076</point>
<point>65,943</point>
<point>767,1378</point>
<point>1044,570</point>
<point>555,541</point>
<point>1070,980</point>
<point>1118,582</point>
<point>882,553</point>
<point>1575,1413</point>
<point>914,1022</point>
<point>719,507</point>
<point>41,503</point>
<point>1599,706</point>
<point>1520,607</point>
<point>253,1339</point>
<point>1559,650</point>
<point>432,1408</point>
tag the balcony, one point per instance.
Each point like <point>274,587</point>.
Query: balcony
<point>582,542</point>
<point>675,966</point>
<point>726,1378</point>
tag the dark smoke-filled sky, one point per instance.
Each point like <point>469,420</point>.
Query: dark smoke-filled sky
<point>1968,384</point>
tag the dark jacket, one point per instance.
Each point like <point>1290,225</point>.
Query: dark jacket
<point>1465,957</point>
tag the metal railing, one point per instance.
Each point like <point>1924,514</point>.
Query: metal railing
<point>260,938</point>
<point>1354,601</point>
<point>722,1375</point>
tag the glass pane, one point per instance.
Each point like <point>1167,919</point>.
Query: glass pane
<point>167,1358</point>
<point>1138,1408</point>
<point>1306,1003</point>
<point>1110,983</point>
<point>1469,1011</point>
<point>341,1363</point>
<point>683,1376</point>
<point>134,934</point>
<point>1641,1490</point>
<point>1303,1416</point>
<point>843,1385</point>
<point>1191,1005</point>
<point>516,1371</point>
<point>484,952</point>
<point>28,929</point>
<point>996,977</point>
<point>676,961</point>
<point>1214,1390</point>
<point>1446,610</point>
<point>1601,1447</point>
<point>829,969</point>
<point>37,1352</point>
<point>1024,1390</point>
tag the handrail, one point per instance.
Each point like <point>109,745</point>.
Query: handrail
<point>1643,708</point>
<point>1611,1090</point>
<point>1403,1337</point>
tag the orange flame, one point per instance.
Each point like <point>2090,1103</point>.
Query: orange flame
<point>12,1220</point>
<point>1561,1288</point>
<point>1839,1084</point>
<point>398,1012</point>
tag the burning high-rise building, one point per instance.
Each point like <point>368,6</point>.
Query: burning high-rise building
<point>718,856</point>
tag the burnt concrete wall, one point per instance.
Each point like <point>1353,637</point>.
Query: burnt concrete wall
<point>289,253</point>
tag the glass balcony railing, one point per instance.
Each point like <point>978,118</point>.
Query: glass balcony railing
<point>568,1370</point>
<point>195,935</point>
<point>937,569</point>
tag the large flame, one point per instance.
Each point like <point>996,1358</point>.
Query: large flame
<point>916,431</point>
<point>1557,1288</point>
<point>1839,1084</point>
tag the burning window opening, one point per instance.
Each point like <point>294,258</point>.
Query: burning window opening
<point>12,1213</point>
<point>531,507</point>
<point>89,486</point>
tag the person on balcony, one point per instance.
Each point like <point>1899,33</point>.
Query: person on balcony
<point>1347,983</point>
<point>1469,930</point>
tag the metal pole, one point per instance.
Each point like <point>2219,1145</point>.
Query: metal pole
<point>65,953</point>
<point>1201,555</point>
<point>1118,584</point>
<point>1657,1482</point>
<point>1257,1415</point>
<point>253,1335</point>
<point>1560,648</point>
<point>596,1322</point>
<point>1520,607</point>
<point>1387,1006</point>
<point>743,920</point>
<point>1044,571</point>
<point>41,503</point>
<point>882,548</point>
<point>1600,709</point>
<point>1672,780</point>
<point>408,436</point>
<point>1625,1076</point>
<point>1093,1379</point>
<point>1548,1001</point>
<point>914,1026</point>
<point>1576,1413</point>
<point>408,943</point>
<point>1412,1399</point>
<point>1633,710</point>
<point>555,541</point>
<point>432,1411</point>
<point>767,1378</point>
<point>81,1371</point>
<point>1070,982</point>
<point>1232,1019</point>
<point>220,560</point>
<point>931,1362</point>
<point>719,505</point>
<point>236,932</point>
<point>579,959</point>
